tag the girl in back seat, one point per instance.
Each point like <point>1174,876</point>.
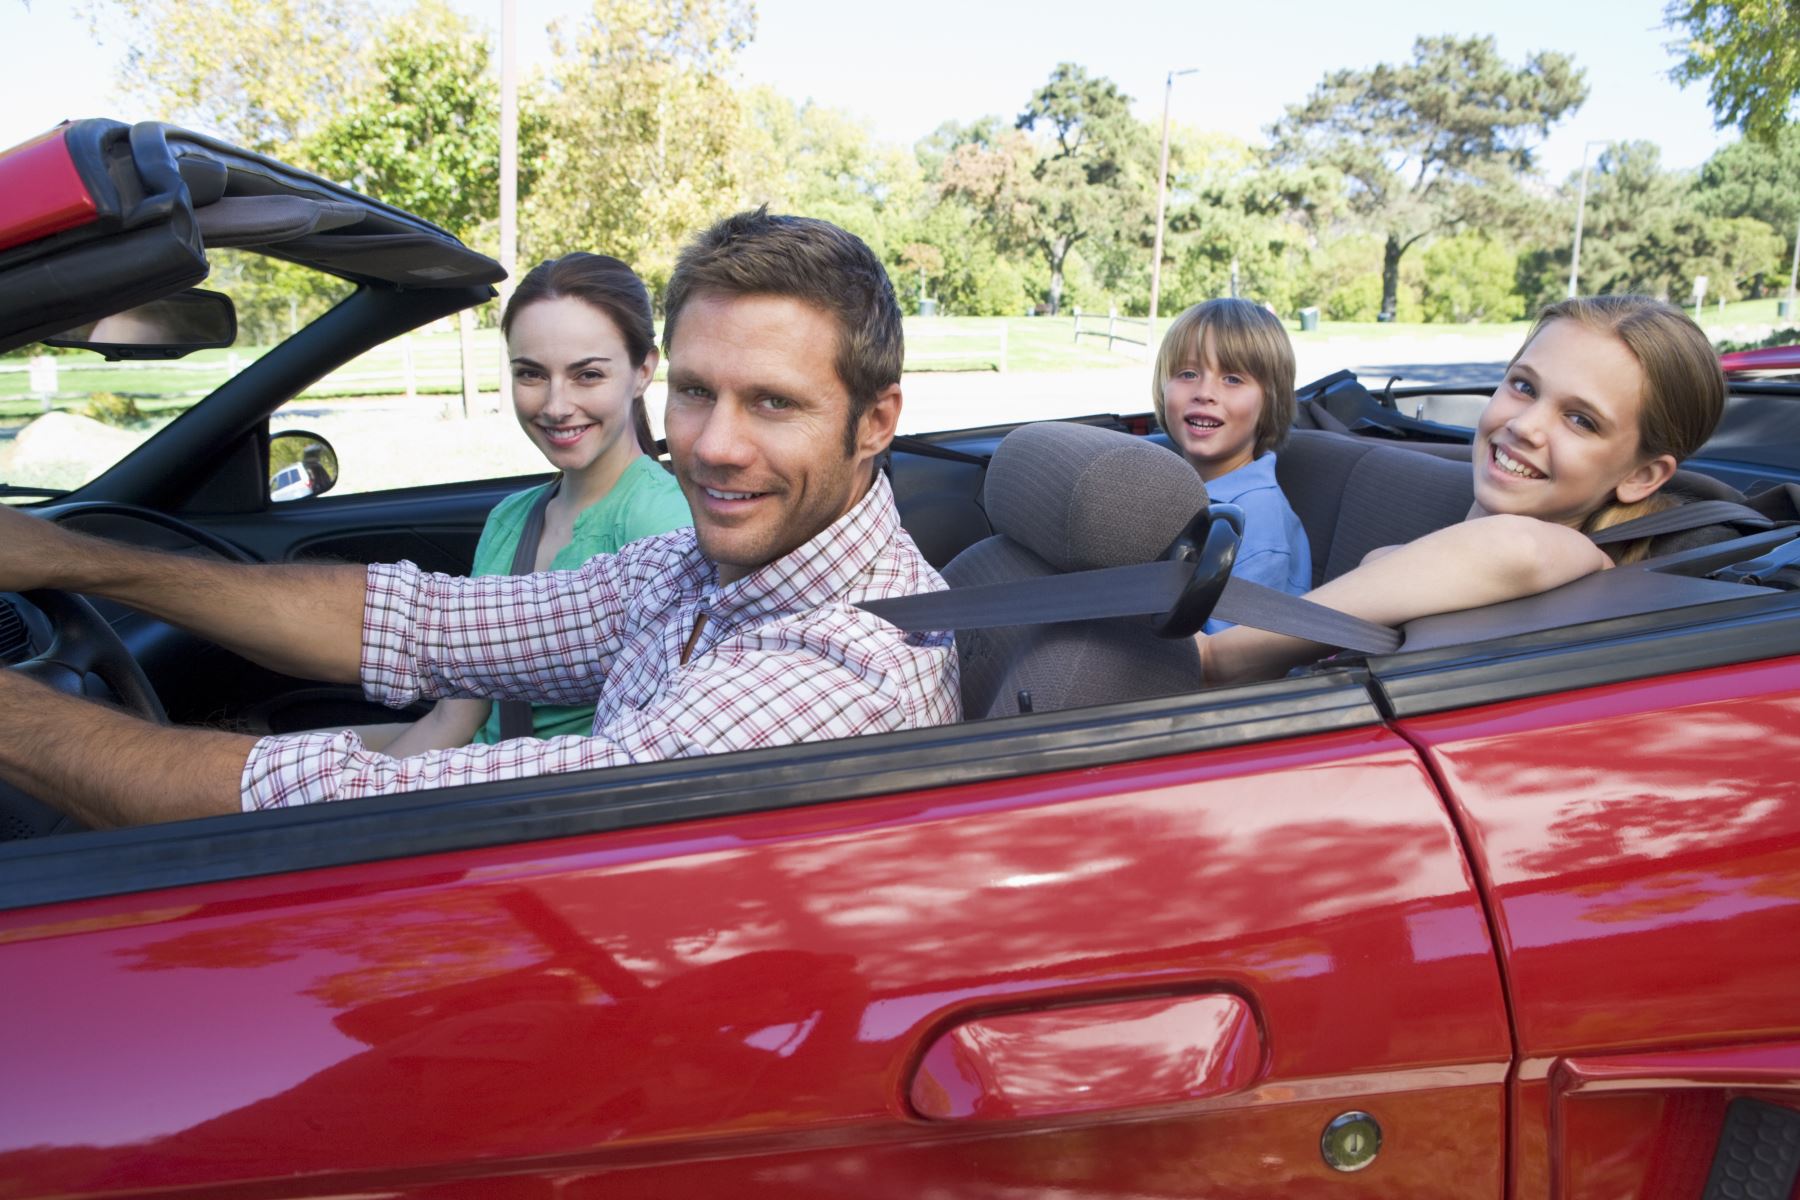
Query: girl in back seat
<point>1605,398</point>
<point>1223,390</point>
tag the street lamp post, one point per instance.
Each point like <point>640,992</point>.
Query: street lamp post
<point>509,178</point>
<point>1580,212</point>
<point>1794,271</point>
<point>1162,193</point>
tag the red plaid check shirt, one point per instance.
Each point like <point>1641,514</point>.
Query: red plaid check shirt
<point>782,657</point>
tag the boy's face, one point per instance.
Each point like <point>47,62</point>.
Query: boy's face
<point>1212,414</point>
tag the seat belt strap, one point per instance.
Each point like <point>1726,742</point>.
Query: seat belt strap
<point>1142,590</point>
<point>1695,515</point>
<point>1252,604</point>
<point>515,715</point>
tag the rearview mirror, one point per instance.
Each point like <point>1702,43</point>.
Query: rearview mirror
<point>167,328</point>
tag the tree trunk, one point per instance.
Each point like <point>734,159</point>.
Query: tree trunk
<point>1058,255</point>
<point>1390,276</point>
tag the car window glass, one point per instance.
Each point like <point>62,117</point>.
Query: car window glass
<point>409,413</point>
<point>400,415</point>
<point>68,415</point>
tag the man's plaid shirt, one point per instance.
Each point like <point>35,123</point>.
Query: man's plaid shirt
<point>782,657</point>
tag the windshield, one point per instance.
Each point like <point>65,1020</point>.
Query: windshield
<point>66,416</point>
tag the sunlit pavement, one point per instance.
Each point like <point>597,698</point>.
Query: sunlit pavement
<point>961,400</point>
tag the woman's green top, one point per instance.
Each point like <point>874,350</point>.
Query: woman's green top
<point>646,501</point>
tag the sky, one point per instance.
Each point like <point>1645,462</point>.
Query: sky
<point>906,68</point>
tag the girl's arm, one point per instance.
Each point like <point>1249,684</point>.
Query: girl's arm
<point>1484,561</point>
<point>451,723</point>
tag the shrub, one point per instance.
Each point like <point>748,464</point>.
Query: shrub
<point>1469,278</point>
<point>110,408</point>
<point>1779,337</point>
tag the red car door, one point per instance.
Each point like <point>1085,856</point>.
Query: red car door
<point>1640,844</point>
<point>1166,976</point>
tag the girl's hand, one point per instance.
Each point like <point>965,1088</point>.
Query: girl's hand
<point>450,724</point>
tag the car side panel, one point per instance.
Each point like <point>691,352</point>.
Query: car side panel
<point>1640,846</point>
<point>742,1003</point>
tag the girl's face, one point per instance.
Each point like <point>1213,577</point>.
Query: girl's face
<point>1560,438</point>
<point>1212,414</point>
<point>573,383</point>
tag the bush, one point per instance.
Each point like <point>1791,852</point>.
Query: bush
<point>1469,277</point>
<point>1779,337</point>
<point>110,408</point>
<point>1357,299</point>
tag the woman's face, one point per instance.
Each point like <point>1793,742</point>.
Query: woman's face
<point>1560,437</point>
<point>573,383</point>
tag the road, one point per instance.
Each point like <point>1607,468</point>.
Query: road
<point>937,401</point>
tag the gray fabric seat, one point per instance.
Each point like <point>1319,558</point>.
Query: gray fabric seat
<point>1064,497</point>
<point>1354,494</point>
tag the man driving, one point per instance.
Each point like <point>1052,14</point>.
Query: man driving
<point>785,348</point>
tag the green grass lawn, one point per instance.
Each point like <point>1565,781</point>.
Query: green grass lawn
<point>1746,312</point>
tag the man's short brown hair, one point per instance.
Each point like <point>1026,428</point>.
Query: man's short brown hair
<point>760,254</point>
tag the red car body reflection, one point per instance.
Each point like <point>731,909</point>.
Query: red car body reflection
<point>749,1003</point>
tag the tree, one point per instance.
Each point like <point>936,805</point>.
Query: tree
<point>1084,179</point>
<point>1749,52</point>
<point>1468,277</point>
<point>1756,179</point>
<point>424,132</point>
<point>821,162</point>
<point>633,130</point>
<point>261,73</point>
<point>1226,207</point>
<point>1646,233</point>
<point>1435,144</point>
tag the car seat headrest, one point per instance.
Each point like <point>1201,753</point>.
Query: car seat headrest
<point>1083,498</point>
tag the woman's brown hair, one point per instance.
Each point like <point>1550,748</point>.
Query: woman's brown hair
<point>609,285</point>
<point>1684,390</point>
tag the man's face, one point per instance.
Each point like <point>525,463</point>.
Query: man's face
<point>755,421</point>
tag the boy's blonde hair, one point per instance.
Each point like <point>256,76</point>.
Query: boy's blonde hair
<point>1246,340</point>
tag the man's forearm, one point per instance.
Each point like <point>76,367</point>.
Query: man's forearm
<point>300,620</point>
<point>109,769</point>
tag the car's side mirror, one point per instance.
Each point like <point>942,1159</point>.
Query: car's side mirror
<point>167,328</point>
<point>301,464</point>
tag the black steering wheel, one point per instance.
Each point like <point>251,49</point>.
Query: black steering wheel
<point>83,645</point>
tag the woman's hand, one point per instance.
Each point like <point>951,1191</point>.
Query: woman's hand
<point>450,724</point>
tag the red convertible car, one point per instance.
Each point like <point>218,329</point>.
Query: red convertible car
<point>1510,911</point>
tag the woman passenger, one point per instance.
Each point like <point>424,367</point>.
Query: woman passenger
<point>582,351</point>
